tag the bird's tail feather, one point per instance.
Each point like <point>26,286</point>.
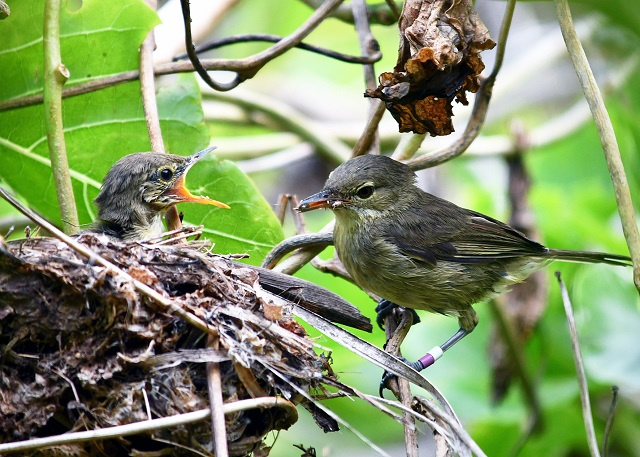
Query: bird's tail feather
<point>590,257</point>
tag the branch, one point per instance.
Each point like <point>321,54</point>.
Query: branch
<point>379,13</point>
<point>248,67</point>
<point>55,75</point>
<point>144,426</point>
<point>327,146</point>
<point>368,44</point>
<point>582,379</point>
<point>606,133</point>
<point>150,107</point>
<point>264,37</point>
<point>480,106</point>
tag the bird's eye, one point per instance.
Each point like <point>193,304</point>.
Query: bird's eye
<point>365,192</point>
<point>166,174</point>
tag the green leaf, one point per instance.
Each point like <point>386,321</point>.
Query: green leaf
<point>250,226</point>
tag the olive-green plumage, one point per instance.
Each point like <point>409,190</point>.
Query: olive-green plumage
<point>420,251</point>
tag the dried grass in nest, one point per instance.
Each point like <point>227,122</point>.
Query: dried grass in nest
<point>81,349</point>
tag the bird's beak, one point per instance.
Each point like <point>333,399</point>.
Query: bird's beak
<point>180,192</point>
<point>322,200</point>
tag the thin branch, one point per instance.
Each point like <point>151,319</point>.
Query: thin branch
<point>606,133</point>
<point>55,75</point>
<point>193,57</point>
<point>158,298</point>
<point>408,146</point>
<point>480,106</point>
<point>150,107</point>
<point>368,44</point>
<point>288,119</point>
<point>396,332</point>
<point>148,90</point>
<point>248,67</point>
<point>610,418</point>
<point>369,133</point>
<point>263,37</point>
<point>145,426</point>
<point>582,379</point>
<point>378,13</point>
<point>216,403</point>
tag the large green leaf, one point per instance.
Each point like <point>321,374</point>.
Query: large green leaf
<point>99,39</point>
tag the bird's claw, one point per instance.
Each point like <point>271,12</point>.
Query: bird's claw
<point>387,376</point>
<point>385,307</point>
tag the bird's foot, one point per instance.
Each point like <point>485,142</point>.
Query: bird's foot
<point>385,307</point>
<point>387,377</point>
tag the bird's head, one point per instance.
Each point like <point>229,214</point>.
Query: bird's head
<point>143,186</point>
<point>364,185</point>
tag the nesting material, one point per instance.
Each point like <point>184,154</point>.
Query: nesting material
<point>81,349</point>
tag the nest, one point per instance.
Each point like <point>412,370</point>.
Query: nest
<point>81,349</point>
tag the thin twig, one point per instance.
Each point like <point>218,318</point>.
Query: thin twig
<point>379,13</point>
<point>395,336</point>
<point>165,303</point>
<point>248,67</point>
<point>408,146</point>
<point>368,44</point>
<point>193,57</point>
<point>55,75</point>
<point>150,107</point>
<point>480,106</point>
<point>288,119</point>
<point>145,426</point>
<point>582,379</point>
<point>368,135</point>
<point>610,418</point>
<point>216,404</point>
<point>268,38</point>
<point>148,89</point>
<point>606,133</point>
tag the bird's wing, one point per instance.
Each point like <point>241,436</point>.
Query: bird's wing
<point>471,238</point>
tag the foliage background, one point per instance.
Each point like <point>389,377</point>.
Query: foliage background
<point>571,196</point>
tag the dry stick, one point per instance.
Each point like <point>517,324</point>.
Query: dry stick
<point>408,146</point>
<point>265,37</point>
<point>606,133</point>
<point>368,134</point>
<point>610,418</point>
<point>145,426</point>
<point>368,45</point>
<point>150,107</point>
<point>395,336</point>
<point>582,379</point>
<point>378,13</point>
<point>480,105</point>
<point>216,403</point>
<point>55,75</point>
<point>287,118</point>
<point>165,303</point>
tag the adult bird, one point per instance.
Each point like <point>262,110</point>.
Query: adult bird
<point>419,251</point>
<point>140,188</point>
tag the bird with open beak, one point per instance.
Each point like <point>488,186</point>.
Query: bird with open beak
<point>140,188</point>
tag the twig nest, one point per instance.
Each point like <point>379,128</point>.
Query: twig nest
<point>82,349</point>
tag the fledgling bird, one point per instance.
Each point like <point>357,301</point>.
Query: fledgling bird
<point>140,188</point>
<point>418,251</point>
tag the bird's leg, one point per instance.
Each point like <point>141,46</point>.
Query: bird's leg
<point>385,307</point>
<point>468,321</point>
